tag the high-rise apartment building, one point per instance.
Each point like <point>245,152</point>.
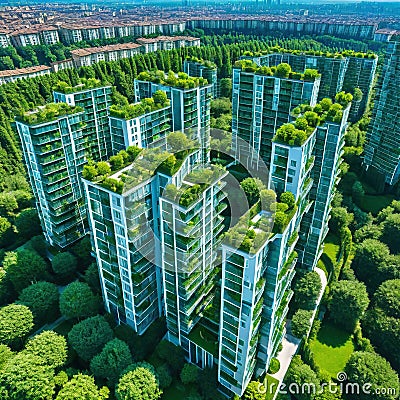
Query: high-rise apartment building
<point>257,274</point>
<point>339,72</point>
<point>202,69</point>
<point>262,102</point>
<point>50,138</point>
<point>144,124</point>
<point>382,150</point>
<point>95,99</point>
<point>55,167</point>
<point>190,99</point>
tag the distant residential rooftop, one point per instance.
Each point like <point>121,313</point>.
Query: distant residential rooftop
<point>24,71</point>
<point>166,39</point>
<point>104,49</point>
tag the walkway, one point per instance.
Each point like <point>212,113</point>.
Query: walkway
<point>290,343</point>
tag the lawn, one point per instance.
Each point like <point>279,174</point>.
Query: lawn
<point>332,348</point>
<point>330,254</point>
<point>375,203</point>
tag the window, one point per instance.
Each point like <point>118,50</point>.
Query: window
<point>293,163</point>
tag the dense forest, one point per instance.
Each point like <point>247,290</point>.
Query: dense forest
<point>22,57</point>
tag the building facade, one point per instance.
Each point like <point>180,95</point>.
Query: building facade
<point>382,156</point>
<point>49,145</point>
<point>202,69</point>
<point>261,104</point>
<point>190,103</point>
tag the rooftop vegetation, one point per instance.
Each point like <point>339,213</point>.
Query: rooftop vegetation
<point>282,70</point>
<point>200,179</point>
<point>47,113</point>
<point>308,118</point>
<point>206,63</point>
<point>345,53</point>
<point>145,163</point>
<point>130,111</point>
<point>260,223</point>
<point>85,84</point>
<point>179,80</point>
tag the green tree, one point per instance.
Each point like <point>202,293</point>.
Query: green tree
<point>391,232</point>
<point>252,188</point>
<point>7,235</point>
<point>103,168</point>
<point>370,368</point>
<point>288,198</point>
<point>16,321</point>
<point>301,322</point>
<point>171,354</point>
<point>38,244</point>
<point>50,347</point>
<point>64,266</point>
<point>5,355</point>
<point>384,333</point>
<point>89,336</point>
<point>340,219</point>
<point>255,391</point>
<point>82,250</point>
<point>268,198</point>
<point>78,301</point>
<point>138,384</point>
<point>112,360</point>
<point>24,267</point>
<point>26,378</point>
<point>82,387</point>
<point>387,298</point>
<point>28,224</point>
<point>349,300</point>
<point>307,290</point>
<point>300,374</point>
<point>189,374</point>
<point>163,374</point>
<point>371,264</point>
<point>220,106</point>
<point>357,192</point>
<point>178,141</point>
<point>42,298</point>
<point>92,278</point>
<point>226,87</point>
<point>283,70</point>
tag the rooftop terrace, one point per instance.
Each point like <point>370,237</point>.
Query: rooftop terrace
<point>307,118</point>
<point>282,70</point>
<point>130,111</point>
<point>47,113</point>
<point>179,80</point>
<point>85,84</point>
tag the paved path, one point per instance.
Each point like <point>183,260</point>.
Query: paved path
<point>290,343</point>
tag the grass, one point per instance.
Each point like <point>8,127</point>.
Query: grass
<point>330,254</point>
<point>375,203</point>
<point>178,391</point>
<point>332,348</point>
